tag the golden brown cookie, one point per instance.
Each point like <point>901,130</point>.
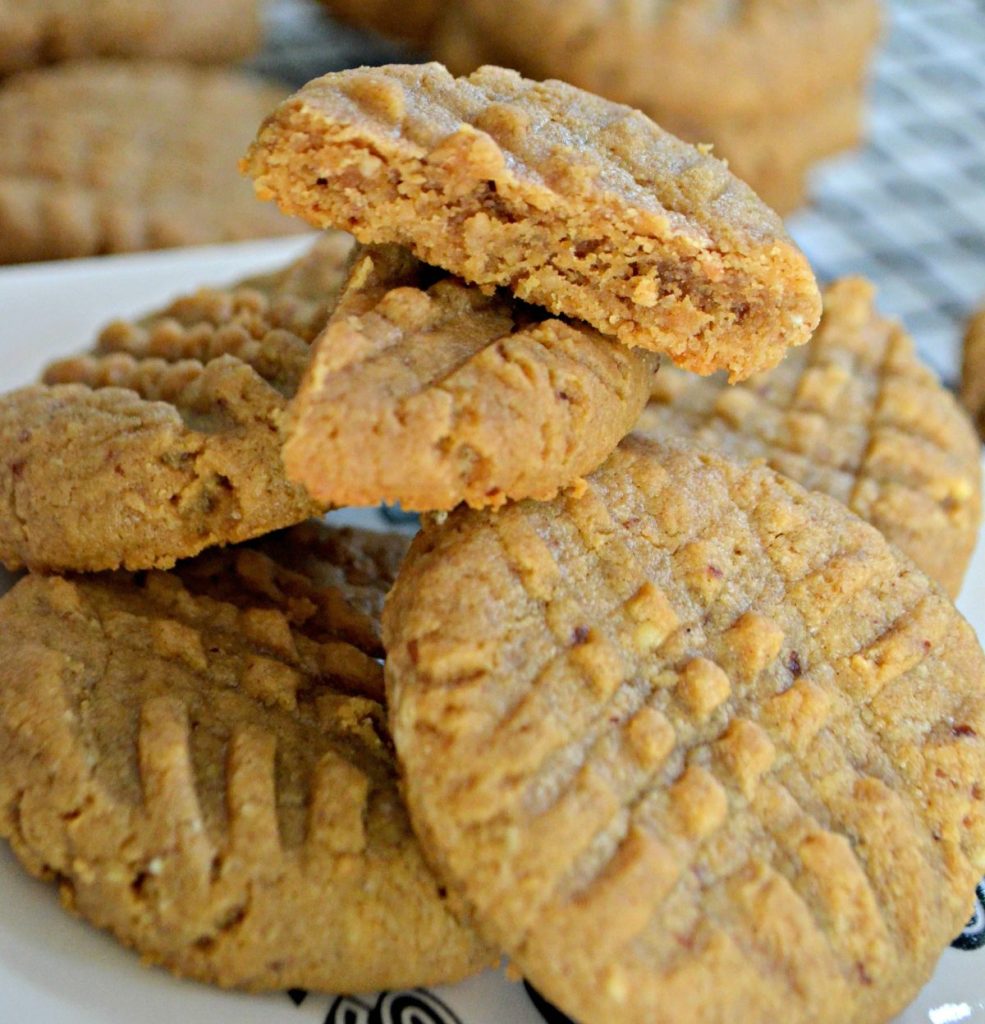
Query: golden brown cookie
<point>36,32</point>
<point>199,759</point>
<point>854,414</point>
<point>113,156</point>
<point>426,391</point>
<point>576,204</point>
<point>694,744</point>
<point>166,438</point>
<point>973,370</point>
<point>767,56</point>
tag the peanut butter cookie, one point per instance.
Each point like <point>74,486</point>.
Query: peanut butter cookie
<point>767,55</point>
<point>114,156</point>
<point>426,391</point>
<point>575,203</point>
<point>36,32</point>
<point>199,759</point>
<point>166,438</point>
<point>694,744</point>
<point>854,414</point>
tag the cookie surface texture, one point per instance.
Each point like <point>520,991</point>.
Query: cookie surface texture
<point>427,392</point>
<point>696,744</point>
<point>576,204</point>
<point>166,438</point>
<point>199,758</point>
<point>855,414</point>
<point>116,156</point>
<point>34,32</point>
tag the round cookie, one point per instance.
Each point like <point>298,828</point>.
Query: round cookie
<point>973,370</point>
<point>34,32</point>
<point>854,414</point>
<point>116,156</point>
<point>199,759</point>
<point>768,57</point>
<point>574,203</point>
<point>166,438</point>
<point>426,391</point>
<point>694,744</point>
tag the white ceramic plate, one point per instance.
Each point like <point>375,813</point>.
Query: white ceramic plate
<point>55,969</point>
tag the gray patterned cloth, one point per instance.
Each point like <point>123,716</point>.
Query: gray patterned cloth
<point>907,210</point>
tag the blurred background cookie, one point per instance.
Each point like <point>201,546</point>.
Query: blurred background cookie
<point>35,32</point>
<point>774,86</point>
<point>105,156</point>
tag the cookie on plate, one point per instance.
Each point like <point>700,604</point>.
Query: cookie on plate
<point>36,32</point>
<point>166,438</point>
<point>694,744</point>
<point>114,156</point>
<point>199,759</point>
<point>426,391</point>
<point>854,414</point>
<point>973,369</point>
<point>576,204</point>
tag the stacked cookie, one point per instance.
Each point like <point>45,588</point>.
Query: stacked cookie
<point>667,724</point>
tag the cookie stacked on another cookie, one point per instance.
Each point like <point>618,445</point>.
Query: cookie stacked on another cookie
<point>574,203</point>
<point>429,388</point>
<point>428,392</point>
